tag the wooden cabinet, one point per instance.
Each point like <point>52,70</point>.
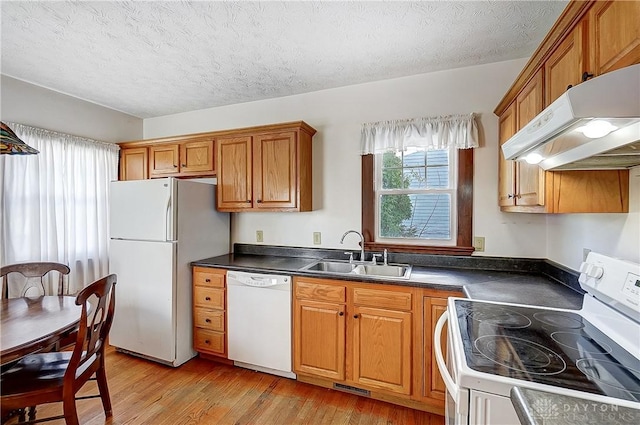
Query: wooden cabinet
<point>189,158</point>
<point>266,170</point>
<point>382,339</point>
<point>588,39</point>
<point>134,164</point>
<point>319,329</point>
<point>183,156</point>
<point>433,385</point>
<point>614,35</point>
<point>209,314</point>
<point>369,329</point>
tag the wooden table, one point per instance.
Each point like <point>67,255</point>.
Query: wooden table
<point>30,324</point>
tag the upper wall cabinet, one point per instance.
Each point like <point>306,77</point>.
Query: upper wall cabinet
<point>266,169</point>
<point>589,38</point>
<point>182,156</point>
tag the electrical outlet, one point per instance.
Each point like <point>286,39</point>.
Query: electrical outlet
<point>317,238</point>
<point>478,243</point>
<point>259,236</point>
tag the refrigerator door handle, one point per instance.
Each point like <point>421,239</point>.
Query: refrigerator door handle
<point>168,217</point>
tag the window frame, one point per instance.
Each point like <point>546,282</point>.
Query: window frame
<point>463,219</point>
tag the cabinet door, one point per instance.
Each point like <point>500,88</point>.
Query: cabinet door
<point>529,177</point>
<point>234,174</point>
<point>319,339</point>
<point>382,349</point>
<point>196,157</point>
<point>614,35</point>
<point>566,64</point>
<point>506,169</point>
<point>275,171</point>
<point>163,160</point>
<point>134,164</point>
<point>433,385</point>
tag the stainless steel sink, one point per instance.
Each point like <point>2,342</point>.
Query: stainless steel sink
<point>330,267</point>
<point>397,271</point>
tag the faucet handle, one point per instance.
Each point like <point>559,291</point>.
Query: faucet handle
<point>350,254</point>
<point>373,258</point>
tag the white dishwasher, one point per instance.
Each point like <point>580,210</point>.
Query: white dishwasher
<point>259,322</point>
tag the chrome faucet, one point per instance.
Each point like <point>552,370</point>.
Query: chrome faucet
<point>361,241</point>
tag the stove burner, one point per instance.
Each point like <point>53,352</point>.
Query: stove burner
<point>519,354</point>
<point>500,316</point>
<point>559,320</point>
<point>609,373</point>
<point>580,342</point>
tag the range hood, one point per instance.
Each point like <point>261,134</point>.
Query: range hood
<point>594,125</point>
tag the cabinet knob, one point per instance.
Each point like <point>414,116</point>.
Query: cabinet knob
<point>208,298</point>
<point>248,201</point>
<point>586,76</point>
<point>206,341</point>
<point>259,201</point>
<point>341,313</point>
<point>175,166</point>
<point>207,320</point>
<point>569,86</point>
<point>355,316</point>
<point>509,196</point>
<point>184,165</point>
<point>207,280</point>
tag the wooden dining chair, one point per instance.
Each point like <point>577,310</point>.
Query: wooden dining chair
<point>34,271</point>
<point>57,376</point>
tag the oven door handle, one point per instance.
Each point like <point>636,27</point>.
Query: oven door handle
<point>446,376</point>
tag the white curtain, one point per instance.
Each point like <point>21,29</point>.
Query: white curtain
<point>54,204</point>
<point>460,131</point>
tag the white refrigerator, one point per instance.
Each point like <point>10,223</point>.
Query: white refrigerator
<point>157,227</point>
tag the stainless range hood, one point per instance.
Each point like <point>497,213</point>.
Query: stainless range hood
<point>594,125</point>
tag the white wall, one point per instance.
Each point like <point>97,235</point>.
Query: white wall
<point>35,106</point>
<point>337,114</point>
<point>617,235</point>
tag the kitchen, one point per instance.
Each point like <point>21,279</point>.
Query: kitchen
<point>337,114</point>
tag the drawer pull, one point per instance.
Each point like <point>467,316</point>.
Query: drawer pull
<point>341,313</point>
<point>206,341</point>
<point>355,316</point>
<point>207,298</point>
<point>207,320</point>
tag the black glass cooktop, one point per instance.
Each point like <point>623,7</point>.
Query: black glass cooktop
<point>545,346</point>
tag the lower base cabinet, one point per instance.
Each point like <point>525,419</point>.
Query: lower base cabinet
<point>370,339</point>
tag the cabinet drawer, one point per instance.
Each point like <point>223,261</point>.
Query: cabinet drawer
<point>319,292</point>
<point>207,277</point>
<point>383,299</point>
<point>211,341</point>
<point>208,297</point>
<point>210,319</point>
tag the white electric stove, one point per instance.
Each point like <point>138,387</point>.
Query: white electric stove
<point>593,353</point>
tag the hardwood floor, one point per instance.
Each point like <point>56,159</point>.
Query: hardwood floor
<point>206,392</point>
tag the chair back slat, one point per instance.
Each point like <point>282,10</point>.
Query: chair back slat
<point>94,326</point>
<point>33,270</point>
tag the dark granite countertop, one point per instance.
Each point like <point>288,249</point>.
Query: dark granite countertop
<point>519,281</point>
<point>542,408</point>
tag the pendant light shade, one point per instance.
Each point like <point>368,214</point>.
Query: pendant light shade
<point>10,144</point>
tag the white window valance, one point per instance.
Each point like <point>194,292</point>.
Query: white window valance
<point>459,131</point>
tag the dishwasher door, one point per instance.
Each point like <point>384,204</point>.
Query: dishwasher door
<point>259,322</point>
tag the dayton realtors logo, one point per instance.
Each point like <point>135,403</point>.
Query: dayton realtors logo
<point>585,412</point>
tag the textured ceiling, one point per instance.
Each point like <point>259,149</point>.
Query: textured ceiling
<point>156,58</point>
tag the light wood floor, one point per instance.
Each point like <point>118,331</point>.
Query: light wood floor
<point>206,392</point>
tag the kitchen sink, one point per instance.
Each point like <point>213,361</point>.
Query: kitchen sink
<point>397,271</point>
<point>330,267</point>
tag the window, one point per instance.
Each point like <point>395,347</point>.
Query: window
<point>416,196</point>
<point>417,184</point>
<point>433,219</point>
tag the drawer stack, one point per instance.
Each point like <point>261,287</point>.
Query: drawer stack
<point>209,315</point>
